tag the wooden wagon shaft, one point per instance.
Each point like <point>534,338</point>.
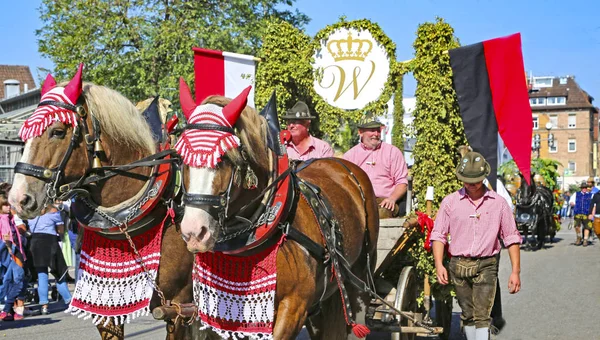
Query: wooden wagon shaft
<point>170,312</point>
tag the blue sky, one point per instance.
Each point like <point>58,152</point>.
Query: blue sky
<point>559,37</point>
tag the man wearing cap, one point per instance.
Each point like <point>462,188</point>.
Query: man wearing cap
<point>385,166</point>
<point>303,146</point>
<point>475,217</point>
<point>580,201</point>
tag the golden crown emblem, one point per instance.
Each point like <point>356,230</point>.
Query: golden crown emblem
<point>350,48</point>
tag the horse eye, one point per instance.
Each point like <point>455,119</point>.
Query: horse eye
<point>58,133</point>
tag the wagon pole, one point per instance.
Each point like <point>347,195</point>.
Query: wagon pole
<point>426,285</point>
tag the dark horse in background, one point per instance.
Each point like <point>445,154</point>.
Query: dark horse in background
<point>534,212</point>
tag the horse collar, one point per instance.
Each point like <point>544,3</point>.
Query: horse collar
<point>138,216</point>
<point>251,234</point>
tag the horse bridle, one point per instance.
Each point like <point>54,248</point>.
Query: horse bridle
<point>57,187</point>
<point>54,177</point>
<point>215,205</point>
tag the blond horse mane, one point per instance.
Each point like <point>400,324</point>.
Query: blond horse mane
<point>251,130</point>
<point>118,118</point>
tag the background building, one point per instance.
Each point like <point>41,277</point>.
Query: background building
<point>561,108</point>
<point>18,99</point>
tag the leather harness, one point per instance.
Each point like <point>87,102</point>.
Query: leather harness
<point>140,214</point>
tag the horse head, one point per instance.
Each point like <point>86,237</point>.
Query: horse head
<point>526,191</point>
<point>75,126</point>
<point>223,147</point>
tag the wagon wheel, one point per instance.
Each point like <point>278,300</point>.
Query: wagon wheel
<point>406,300</point>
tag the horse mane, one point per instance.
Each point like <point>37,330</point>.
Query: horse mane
<point>251,130</point>
<point>118,118</point>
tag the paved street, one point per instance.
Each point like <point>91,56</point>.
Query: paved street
<point>559,300</point>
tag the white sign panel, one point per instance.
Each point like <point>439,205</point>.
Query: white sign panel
<point>351,69</point>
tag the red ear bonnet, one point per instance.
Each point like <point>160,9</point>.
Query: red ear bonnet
<point>188,105</point>
<point>233,110</point>
<point>73,89</point>
<point>49,83</point>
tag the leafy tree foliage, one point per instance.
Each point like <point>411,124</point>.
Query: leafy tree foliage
<point>142,47</point>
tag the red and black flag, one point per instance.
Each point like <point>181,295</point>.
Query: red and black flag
<point>489,79</point>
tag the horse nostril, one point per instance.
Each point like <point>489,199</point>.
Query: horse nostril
<point>28,202</point>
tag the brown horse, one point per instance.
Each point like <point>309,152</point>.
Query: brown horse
<point>302,281</point>
<point>125,138</point>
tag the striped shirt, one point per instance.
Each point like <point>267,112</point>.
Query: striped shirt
<point>475,229</point>
<point>317,149</point>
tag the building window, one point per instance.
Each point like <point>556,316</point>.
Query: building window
<point>535,122</point>
<point>556,101</point>
<point>554,121</point>
<point>563,80</point>
<point>537,101</point>
<point>542,82</point>
<point>11,88</point>
<point>572,121</point>
<point>572,145</point>
<point>572,166</point>
<point>554,148</point>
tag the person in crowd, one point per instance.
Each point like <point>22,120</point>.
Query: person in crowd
<point>594,212</point>
<point>477,219</point>
<point>580,201</point>
<point>385,166</point>
<point>11,259</point>
<point>46,253</point>
<point>591,185</point>
<point>303,146</point>
<point>30,275</point>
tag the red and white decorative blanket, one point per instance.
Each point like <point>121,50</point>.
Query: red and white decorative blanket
<point>111,282</point>
<point>236,295</point>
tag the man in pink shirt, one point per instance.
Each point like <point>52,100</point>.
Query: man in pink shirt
<point>475,218</point>
<point>303,146</point>
<point>385,166</point>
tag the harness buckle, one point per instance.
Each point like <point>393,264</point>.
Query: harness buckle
<point>64,188</point>
<point>285,227</point>
<point>88,139</point>
<point>80,111</point>
<point>47,173</point>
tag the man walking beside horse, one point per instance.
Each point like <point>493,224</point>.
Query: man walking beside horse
<point>580,201</point>
<point>475,217</point>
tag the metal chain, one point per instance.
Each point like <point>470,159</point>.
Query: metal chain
<point>123,229</point>
<point>163,300</point>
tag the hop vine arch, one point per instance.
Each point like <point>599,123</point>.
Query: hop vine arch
<point>287,55</point>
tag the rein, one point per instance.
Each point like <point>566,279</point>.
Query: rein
<point>57,187</point>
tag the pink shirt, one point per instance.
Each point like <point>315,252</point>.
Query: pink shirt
<point>317,149</point>
<point>474,230</point>
<point>385,166</point>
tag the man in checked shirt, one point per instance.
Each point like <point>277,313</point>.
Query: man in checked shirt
<point>475,217</point>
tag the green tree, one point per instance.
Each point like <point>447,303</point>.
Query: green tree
<point>142,47</point>
<point>547,168</point>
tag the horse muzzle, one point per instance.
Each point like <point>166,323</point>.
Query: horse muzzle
<point>27,198</point>
<point>198,230</point>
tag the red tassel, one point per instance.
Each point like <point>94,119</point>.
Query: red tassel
<point>361,331</point>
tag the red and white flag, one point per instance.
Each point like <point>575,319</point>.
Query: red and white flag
<point>223,73</point>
